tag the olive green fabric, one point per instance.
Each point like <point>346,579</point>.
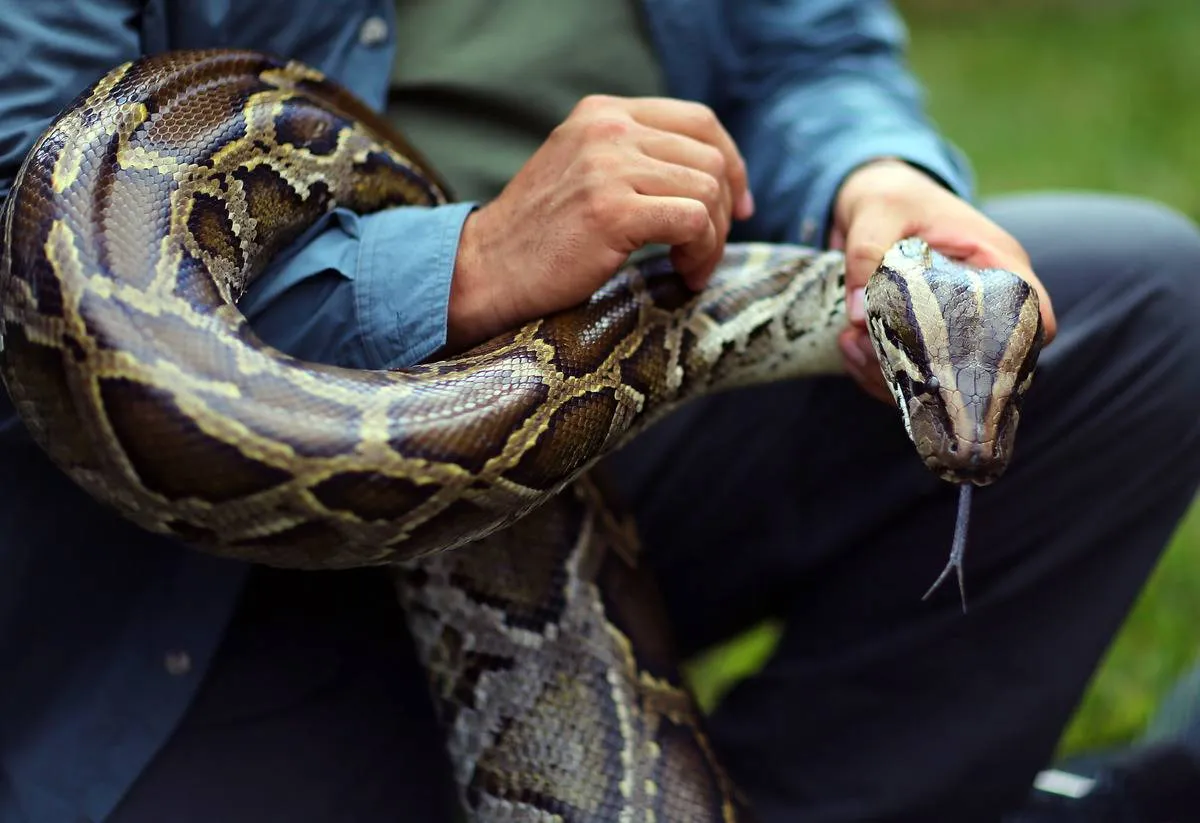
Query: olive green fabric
<point>478,85</point>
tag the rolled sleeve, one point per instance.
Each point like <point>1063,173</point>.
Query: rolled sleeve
<point>362,291</point>
<point>404,274</point>
<point>824,89</point>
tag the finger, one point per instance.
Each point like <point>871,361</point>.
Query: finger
<point>868,237</point>
<point>851,352</point>
<point>1046,308</point>
<point>860,362</point>
<point>698,121</point>
<point>696,261</point>
<point>875,387</point>
<point>856,307</point>
<point>865,382</point>
<point>686,151</point>
<point>703,271</point>
<point>837,238</point>
<point>679,222</point>
<point>657,178</point>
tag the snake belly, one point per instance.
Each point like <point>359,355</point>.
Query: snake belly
<point>148,207</point>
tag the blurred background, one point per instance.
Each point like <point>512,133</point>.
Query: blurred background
<point>1097,94</point>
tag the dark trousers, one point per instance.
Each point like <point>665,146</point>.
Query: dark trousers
<point>802,502</point>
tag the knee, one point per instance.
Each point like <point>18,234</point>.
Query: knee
<point>1156,279</point>
<point>1151,280</point>
<point>1161,247</point>
<point>1159,257</point>
<point>1114,254</point>
<point>1116,238</point>
<point>1161,260</point>
<point>1124,277</point>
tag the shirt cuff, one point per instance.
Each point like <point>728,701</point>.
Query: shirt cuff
<point>402,282</point>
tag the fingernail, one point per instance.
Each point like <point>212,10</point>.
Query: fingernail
<point>853,352</point>
<point>856,306</point>
<point>746,204</point>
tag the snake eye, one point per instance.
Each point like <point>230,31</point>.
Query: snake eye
<point>924,388</point>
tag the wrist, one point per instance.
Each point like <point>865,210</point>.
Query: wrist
<point>472,315</point>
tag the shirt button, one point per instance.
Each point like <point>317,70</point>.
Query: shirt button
<point>177,663</point>
<point>373,32</point>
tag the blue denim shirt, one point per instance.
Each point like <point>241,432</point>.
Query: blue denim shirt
<point>105,631</point>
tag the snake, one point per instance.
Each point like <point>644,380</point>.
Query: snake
<point>151,203</point>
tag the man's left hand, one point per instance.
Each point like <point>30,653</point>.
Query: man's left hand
<point>887,200</point>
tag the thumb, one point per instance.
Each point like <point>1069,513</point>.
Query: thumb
<point>869,235</point>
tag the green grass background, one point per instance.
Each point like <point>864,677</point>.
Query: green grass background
<point>1097,94</point>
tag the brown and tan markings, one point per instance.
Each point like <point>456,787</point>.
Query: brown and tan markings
<point>147,208</point>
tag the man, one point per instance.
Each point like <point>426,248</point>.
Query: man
<point>145,682</point>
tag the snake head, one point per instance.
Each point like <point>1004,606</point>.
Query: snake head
<point>958,346</point>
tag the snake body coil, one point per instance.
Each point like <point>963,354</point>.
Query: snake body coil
<point>149,205</point>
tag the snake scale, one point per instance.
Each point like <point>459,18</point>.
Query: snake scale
<point>152,201</point>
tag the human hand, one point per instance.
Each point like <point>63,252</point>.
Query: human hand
<point>887,200</point>
<point>616,175</point>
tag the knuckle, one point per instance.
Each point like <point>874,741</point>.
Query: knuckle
<point>693,217</point>
<point>601,210</point>
<point>606,128</point>
<point>597,167</point>
<point>594,102</point>
<point>714,161</point>
<point>701,114</point>
<point>739,173</point>
<point>562,132</point>
<point>710,189</point>
<point>889,198</point>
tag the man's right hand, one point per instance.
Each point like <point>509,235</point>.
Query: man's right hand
<point>616,175</point>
